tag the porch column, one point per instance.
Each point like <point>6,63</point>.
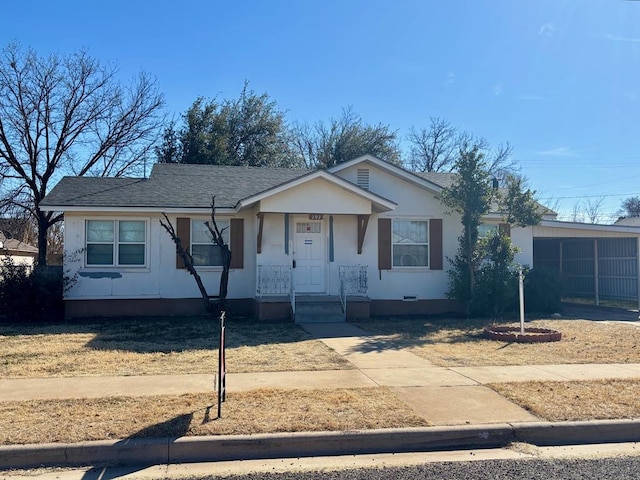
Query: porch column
<point>286,234</point>
<point>260,226</point>
<point>363,221</point>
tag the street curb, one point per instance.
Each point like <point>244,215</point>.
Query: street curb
<point>284,445</point>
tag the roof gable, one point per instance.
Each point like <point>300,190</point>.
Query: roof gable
<point>379,203</point>
<point>392,169</point>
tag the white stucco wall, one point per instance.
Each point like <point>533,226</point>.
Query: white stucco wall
<point>159,278</point>
<point>413,202</point>
<point>20,259</point>
<point>316,196</point>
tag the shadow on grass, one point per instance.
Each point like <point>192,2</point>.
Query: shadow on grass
<point>396,334</point>
<point>173,428</point>
<point>165,334</point>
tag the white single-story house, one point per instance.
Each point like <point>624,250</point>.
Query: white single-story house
<point>365,231</point>
<point>20,253</point>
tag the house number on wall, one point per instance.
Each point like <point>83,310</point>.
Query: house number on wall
<point>316,216</point>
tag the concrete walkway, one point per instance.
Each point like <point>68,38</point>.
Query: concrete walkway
<point>464,412</point>
<point>443,396</point>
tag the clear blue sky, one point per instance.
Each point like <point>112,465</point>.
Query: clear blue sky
<point>558,79</point>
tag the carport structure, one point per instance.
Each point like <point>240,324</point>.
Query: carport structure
<point>598,262</point>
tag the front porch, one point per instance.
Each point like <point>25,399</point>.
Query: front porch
<point>277,298</point>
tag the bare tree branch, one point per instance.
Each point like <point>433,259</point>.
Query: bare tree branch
<point>187,259</point>
<point>68,115</point>
<point>218,239</point>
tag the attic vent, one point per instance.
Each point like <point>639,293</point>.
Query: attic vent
<point>362,178</point>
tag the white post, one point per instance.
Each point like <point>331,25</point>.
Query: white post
<point>521,290</point>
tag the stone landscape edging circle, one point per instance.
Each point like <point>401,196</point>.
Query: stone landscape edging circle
<point>512,334</point>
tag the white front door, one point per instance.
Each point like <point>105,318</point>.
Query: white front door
<point>308,255</point>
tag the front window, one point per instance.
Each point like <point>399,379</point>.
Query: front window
<point>410,243</point>
<point>484,229</point>
<point>116,242</point>
<point>204,251</point>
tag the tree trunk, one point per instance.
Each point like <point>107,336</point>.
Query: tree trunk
<point>224,279</point>
<point>43,227</point>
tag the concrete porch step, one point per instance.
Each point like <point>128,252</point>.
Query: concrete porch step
<point>312,309</point>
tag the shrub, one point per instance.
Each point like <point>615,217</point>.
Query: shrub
<point>496,281</point>
<point>543,290</point>
<point>30,295</point>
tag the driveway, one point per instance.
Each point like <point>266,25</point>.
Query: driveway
<point>592,312</point>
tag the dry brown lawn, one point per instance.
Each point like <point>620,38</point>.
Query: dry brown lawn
<point>587,400</point>
<point>452,343</point>
<point>153,346</point>
<point>259,411</point>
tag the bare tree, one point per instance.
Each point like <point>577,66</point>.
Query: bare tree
<point>218,239</point>
<point>324,145</point>
<point>577,214</point>
<point>68,115</point>
<point>437,147</point>
<point>187,259</point>
<point>593,209</point>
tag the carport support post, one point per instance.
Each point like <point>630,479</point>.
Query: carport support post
<point>595,271</point>
<point>638,274</point>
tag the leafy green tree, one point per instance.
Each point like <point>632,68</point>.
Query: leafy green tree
<point>496,286</point>
<point>249,131</point>
<point>631,207</point>
<point>324,145</point>
<point>472,195</point>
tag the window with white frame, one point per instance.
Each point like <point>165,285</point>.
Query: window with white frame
<point>116,243</point>
<point>484,229</point>
<point>410,243</point>
<point>204,251</point>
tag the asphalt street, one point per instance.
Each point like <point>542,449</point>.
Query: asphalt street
<point>598,469</point>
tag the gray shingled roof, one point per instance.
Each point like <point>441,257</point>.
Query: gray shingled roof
<point>14,245</point>
<point>184,186</point>
<point>441,179</point>
<point>171,186</point>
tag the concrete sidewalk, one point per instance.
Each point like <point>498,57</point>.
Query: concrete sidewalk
<point>443,396</point>
<point>464,412</point>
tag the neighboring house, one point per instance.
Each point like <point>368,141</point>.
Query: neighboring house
<point>365,229</point>
<point>20,252</point>
<point>628,221</point>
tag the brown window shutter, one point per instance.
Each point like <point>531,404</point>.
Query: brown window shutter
<point>435,244</point>
<point>237,242</point>
<point>505,229</point>
<point>184,234</point>
<point>384,244</point>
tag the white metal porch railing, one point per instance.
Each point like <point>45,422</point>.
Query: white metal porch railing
<point>277,280</point>
<point>353,281</point>
<point>274,280</point>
